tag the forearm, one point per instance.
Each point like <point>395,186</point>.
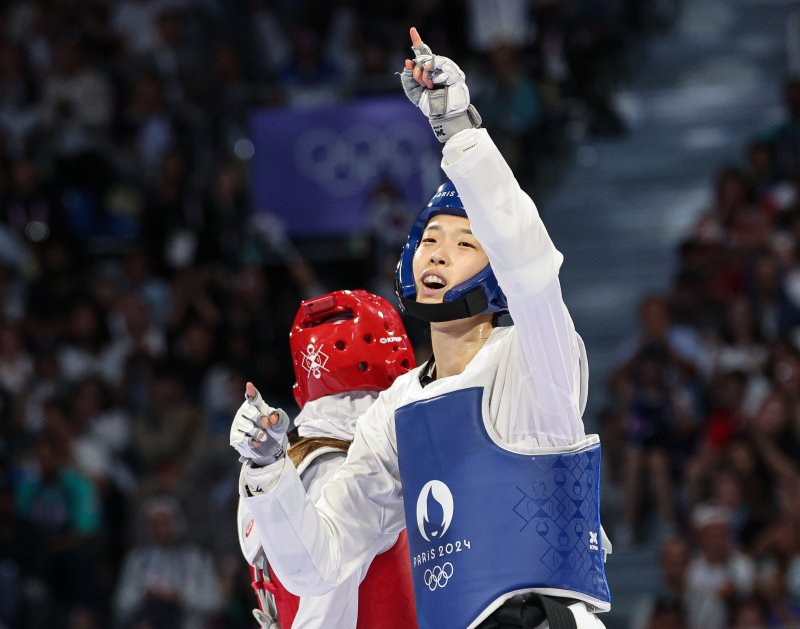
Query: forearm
<point>524,259</point>
<point>503,217</point>
<point>300,547</point>
<point>314,547</point>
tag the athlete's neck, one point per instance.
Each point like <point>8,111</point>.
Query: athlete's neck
<point>455,343</point>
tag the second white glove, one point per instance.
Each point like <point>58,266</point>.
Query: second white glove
<point>254,436</point>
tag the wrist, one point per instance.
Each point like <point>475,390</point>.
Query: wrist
<point>258,481</point>
<point>445,128</point>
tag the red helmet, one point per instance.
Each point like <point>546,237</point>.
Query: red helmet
<point>348,340</point>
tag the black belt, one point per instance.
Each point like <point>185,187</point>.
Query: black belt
<point>527,611</point>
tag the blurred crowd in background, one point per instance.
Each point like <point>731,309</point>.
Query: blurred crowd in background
<point>137,294</point>
<point>702,439</point>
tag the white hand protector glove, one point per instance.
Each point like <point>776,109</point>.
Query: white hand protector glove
<point>254,436</point>
<point>447,105</point>
<point>265,621</point>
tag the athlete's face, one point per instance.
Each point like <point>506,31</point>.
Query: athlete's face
<point>448,254</point>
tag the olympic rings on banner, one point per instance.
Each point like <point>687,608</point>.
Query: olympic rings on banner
<point>343,162</point>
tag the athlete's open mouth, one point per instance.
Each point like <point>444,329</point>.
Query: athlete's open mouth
<point>434,281</point>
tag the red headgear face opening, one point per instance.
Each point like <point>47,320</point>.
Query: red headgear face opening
<point>347,341</point>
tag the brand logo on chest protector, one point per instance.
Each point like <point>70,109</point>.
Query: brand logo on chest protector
<point>434,510</point>
<point>314,361</point>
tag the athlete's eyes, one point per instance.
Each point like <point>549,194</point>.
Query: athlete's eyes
<point>467,244</point>
<point>428,239</point>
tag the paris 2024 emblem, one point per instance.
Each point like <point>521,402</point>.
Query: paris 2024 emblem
<point>435,509</point>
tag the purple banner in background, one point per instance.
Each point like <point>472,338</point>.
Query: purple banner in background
<point>316,169</point>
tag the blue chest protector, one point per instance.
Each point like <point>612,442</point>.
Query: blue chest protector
<point>484,522</point>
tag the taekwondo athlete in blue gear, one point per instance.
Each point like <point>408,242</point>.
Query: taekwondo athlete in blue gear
<point>485,440</point>
<point>544,528</point>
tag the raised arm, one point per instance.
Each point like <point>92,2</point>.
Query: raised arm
<point>506,222</point>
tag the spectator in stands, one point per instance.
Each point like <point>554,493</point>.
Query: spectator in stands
<point>77,102</point>
<point>785,139</point>
<point>748,613</point>
<point>761,168</point>
<point>667,614</point>
<point>150,288</point>
<point>669,601</point>
<point>765,288</point>
<point>725,492</point>
<point>30,207</point>
<point>778,549</point>
<point>134,21</point>
<point>509,103</point>
<point>178,60</point>
<point>16,364</point>
<point>310,78</point>
<point>719,572</point>
<point>101,435</point>
<point>168,435</point>
<point>18,93</point>
<point>14,543</point>
<point>166,582</point>
<point>681,345</point>
<point>149,125</point>
<point>659,432</point>
<point>59,505</point>
<point>87,348</point>
<point>727,416</point>
<point>654,388</point>
<point>731,476</point>
<point>134,331</point>
<point>772,434</point>
<point>783,370</point>
<point>741,346</point>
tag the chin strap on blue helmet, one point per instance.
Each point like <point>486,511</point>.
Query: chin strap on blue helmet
<point>480,294</point>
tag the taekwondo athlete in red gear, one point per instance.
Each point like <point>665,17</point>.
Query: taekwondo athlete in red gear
<point>481,452</point>
<point>346,347</point>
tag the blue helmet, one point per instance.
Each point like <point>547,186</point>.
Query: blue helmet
<point>480,294</point>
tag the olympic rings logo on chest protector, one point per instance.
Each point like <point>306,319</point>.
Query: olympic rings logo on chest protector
<point>438,577</point>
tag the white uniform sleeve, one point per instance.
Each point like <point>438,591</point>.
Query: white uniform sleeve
<point>313,548</point>
<point>505,221</point>
<point>339,607</point>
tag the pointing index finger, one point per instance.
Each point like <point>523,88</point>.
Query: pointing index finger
<point>416,40</point>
